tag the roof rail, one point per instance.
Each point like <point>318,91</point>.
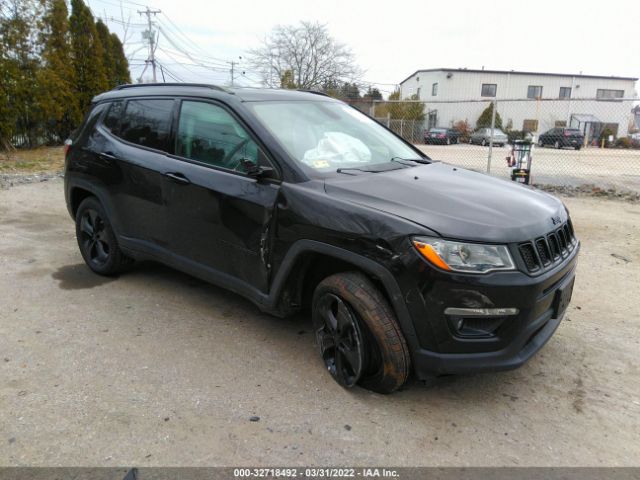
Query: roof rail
<point>175,84</point>
<point>315,92</point>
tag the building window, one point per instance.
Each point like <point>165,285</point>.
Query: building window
<point>605,94</point>
<point>565,92</point>
<point>434,89</point>
<point>418,92</point>
<point>534,91</point>
<point>488,90</point>
<point>417,79</point>
<point>530,125</point>
<point>560,123</point>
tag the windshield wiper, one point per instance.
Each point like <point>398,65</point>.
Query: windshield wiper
<point>346,169</point>
<point>416,160</point>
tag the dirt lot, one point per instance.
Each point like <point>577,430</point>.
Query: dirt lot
<point>157,368</point>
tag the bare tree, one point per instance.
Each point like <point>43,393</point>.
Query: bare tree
<point>303,56</point>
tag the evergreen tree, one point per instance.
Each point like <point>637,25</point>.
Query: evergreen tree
<point>108,62</point>
<point>373,94</point>
<point>18,66</point>
<point>56,99</point>
<point>121,65</point>
<point>88,55</point>
<point>484,120</point>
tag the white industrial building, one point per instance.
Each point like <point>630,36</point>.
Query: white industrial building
<point>530,101</point>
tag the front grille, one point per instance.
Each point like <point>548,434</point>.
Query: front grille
<point>529,256</point>
<point>543,252</point>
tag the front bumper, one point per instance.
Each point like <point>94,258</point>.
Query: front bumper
<point>515,341</point>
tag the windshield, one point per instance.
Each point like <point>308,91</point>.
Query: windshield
<point>438,130</point>
<point>327,136</point>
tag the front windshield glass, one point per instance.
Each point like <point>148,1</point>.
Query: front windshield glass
<point>326,136</point>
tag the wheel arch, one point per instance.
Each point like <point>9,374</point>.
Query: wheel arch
<point>308,262</point>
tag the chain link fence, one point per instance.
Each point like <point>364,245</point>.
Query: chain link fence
<point>576,142</point>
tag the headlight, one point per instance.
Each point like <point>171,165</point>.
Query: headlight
<point>464,257</point>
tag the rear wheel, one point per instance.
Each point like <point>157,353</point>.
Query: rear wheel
<point>557,144</point>
<point>578,147</point>
<point>358,335</point>
<point>484,142</point>
<point>96,239</point>
<point>448,141</point>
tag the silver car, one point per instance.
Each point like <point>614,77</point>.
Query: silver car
<point>483,136</point>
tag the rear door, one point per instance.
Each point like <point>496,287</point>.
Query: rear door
<point>219,217</point>
<point>143,130</point>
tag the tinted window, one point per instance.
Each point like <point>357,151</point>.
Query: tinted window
<point>209,134</point>
<point>113,116</point>
<point>147,123</point>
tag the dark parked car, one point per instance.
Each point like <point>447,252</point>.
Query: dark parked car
<point>445,136</point>
<point>562,137</point>
<point>297,201</point>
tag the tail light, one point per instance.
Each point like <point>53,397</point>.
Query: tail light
<point>441,135</point>
<point>67,147</point>
<point>567,134</point>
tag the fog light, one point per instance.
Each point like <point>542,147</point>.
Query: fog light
<point>480,312</point>
<point>477,322</point>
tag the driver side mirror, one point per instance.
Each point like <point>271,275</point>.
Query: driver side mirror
<point>255,171</point>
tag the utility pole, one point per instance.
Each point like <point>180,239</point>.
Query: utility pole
<point>233,64</point>
<point>150,34</point>
<point>233,67</point>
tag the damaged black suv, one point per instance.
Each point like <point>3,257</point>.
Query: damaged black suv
<point>295,200</point>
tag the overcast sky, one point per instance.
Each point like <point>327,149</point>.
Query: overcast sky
<point>393,39</point>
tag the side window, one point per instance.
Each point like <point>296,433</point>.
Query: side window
<point>147,123</point>
<point>113,116</point>
<point>209,134</point>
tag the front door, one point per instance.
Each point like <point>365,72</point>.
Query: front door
<point>217,216</point>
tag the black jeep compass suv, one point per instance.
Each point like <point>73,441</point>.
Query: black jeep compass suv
<point>295,200</point>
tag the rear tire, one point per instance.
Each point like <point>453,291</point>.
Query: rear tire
<point>97,240</point>
<point>355,325</point>
<point>557,144</point>
<point>484,142</point>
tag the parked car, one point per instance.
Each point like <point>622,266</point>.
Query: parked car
<point>297,201</point>
<point>482,137</point>
<point>562,137</point>
<point>441,136</point>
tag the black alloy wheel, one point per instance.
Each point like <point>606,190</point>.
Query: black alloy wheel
<point>93,238</point>
<point>340,340</point>
<point>97,240</point>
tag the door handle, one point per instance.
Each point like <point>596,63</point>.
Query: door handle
<point>177,177</point>
<point>108,156</point>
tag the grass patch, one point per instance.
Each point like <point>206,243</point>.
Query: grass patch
<point>41,159</point>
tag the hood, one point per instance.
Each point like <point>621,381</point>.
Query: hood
<point>454,202</point>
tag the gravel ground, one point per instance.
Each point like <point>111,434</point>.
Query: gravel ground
<point>157,368</point>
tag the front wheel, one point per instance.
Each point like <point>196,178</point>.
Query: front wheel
<point>358,335</point>
<point>97,240</point>
<point>557,144</point>
<point>484,142</point>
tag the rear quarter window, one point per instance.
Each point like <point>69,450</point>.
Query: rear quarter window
<point>148,123</point>
<point>112,118</point>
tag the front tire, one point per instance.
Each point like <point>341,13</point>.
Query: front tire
<point>358,335</point>
<point>557,145</point>
<point>97,240</point>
